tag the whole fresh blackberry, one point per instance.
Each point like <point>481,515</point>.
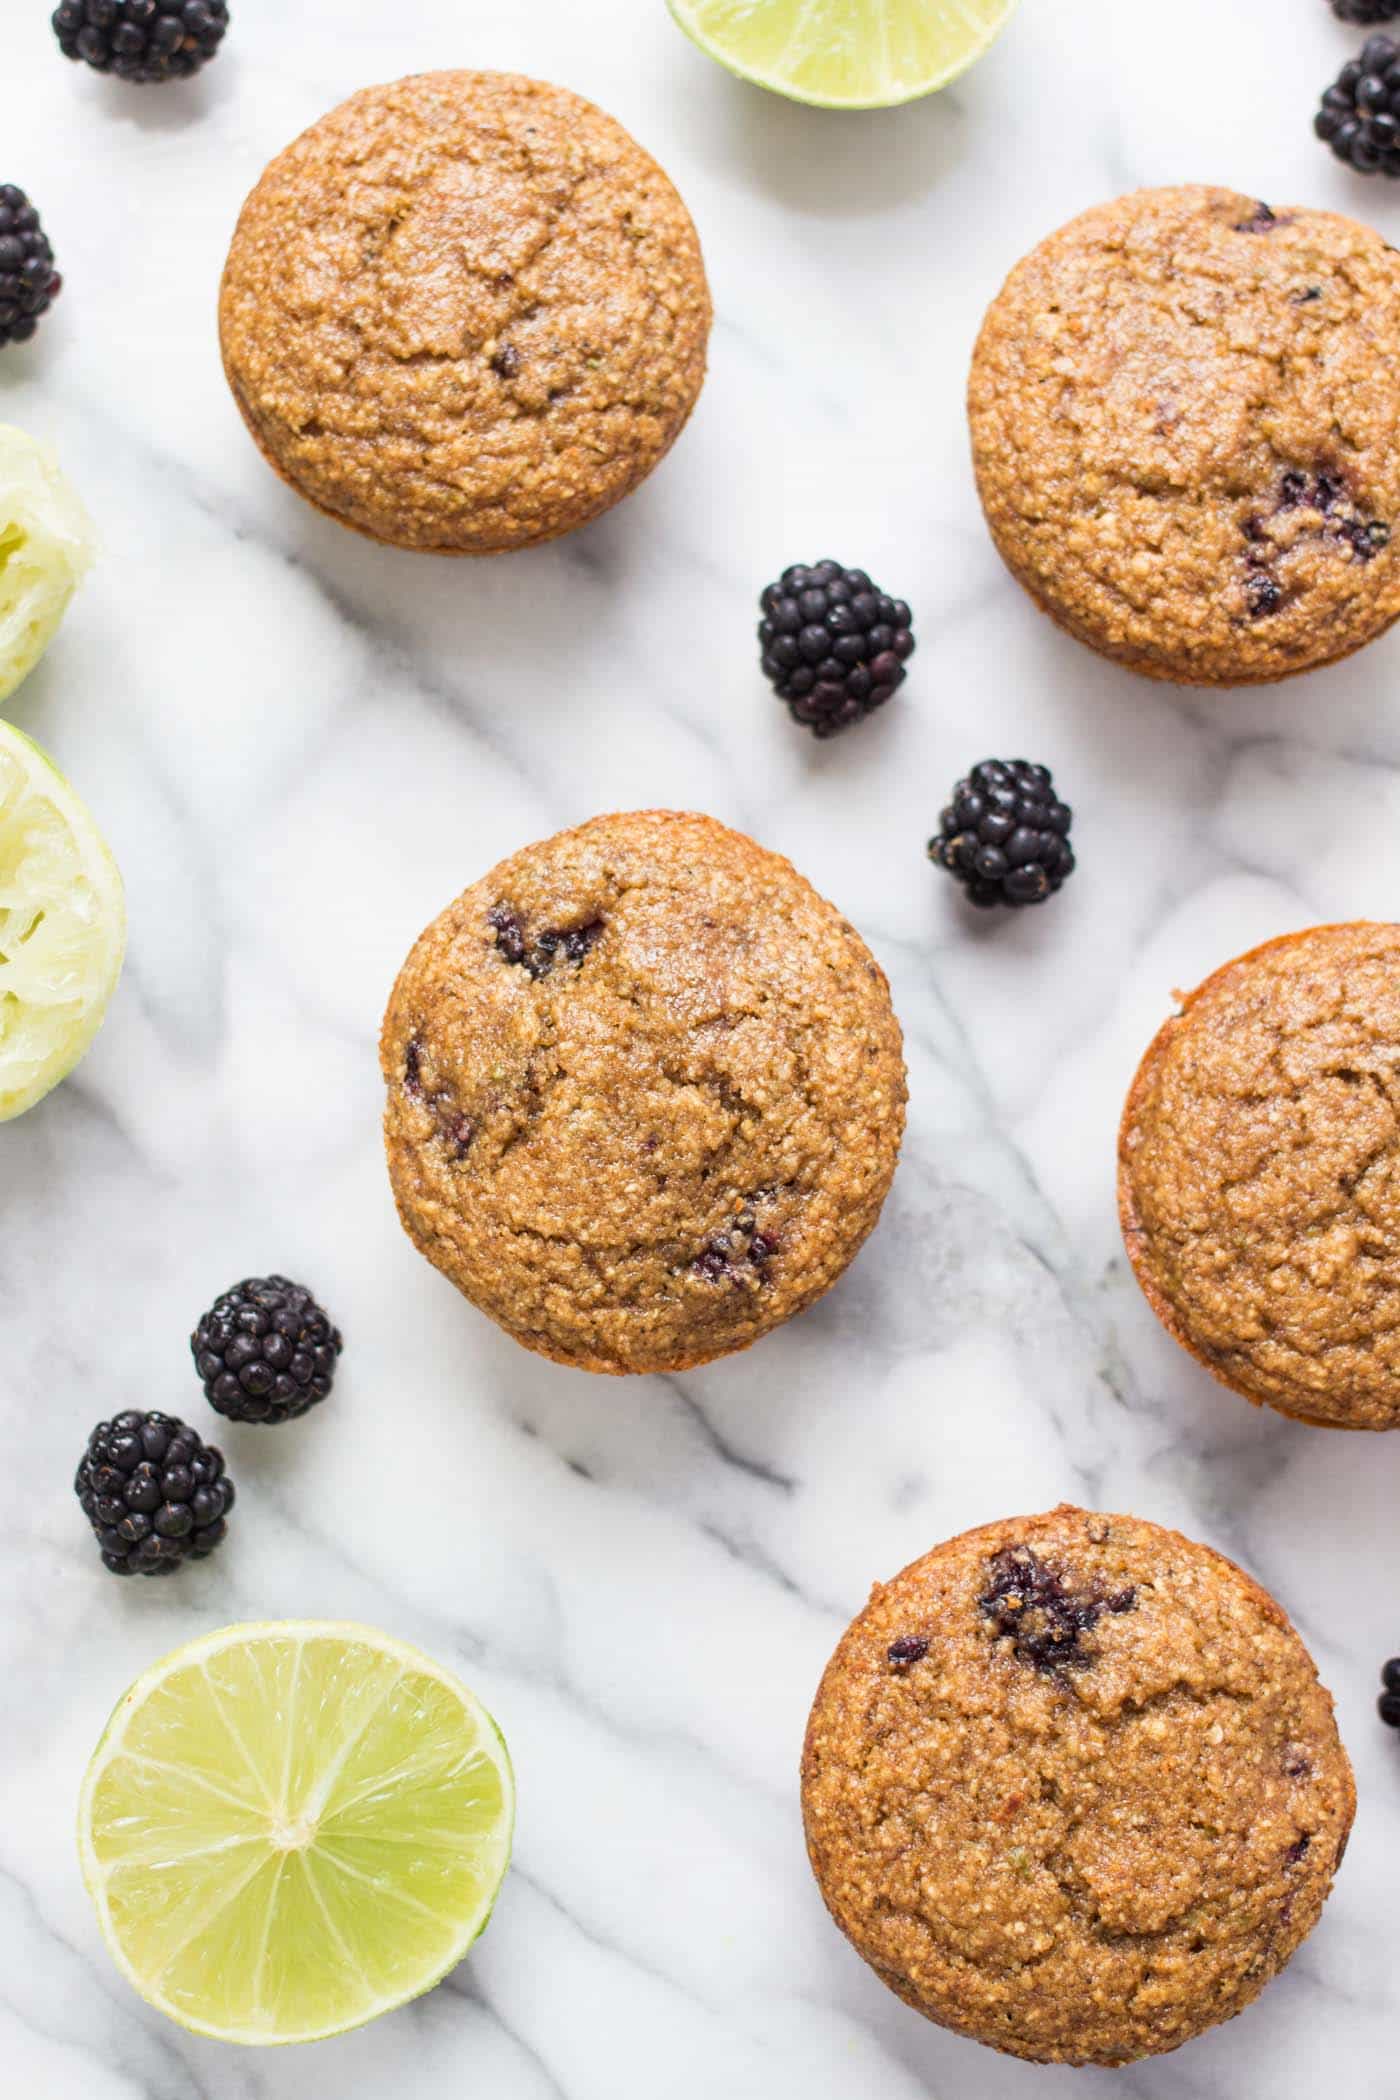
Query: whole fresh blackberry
<point>1005,834</point>
<point>833,644</point>
<point>154,1492</point>
<point>29,283</point>
<point>1364,12</point>
<point>1388,1705</point>
<point>141,40</point>
<point>265,1351</point>
<point>1360,114</point>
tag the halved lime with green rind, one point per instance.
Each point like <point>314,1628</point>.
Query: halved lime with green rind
<point>845,54</point>
<point>62,925</point>
<point>292,1827</point>
<point>46,542</point>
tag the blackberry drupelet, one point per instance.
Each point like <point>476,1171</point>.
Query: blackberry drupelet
<point>1388,1705</point>
<point>154,1492</point>
<point>1360,114</point>
<point>834,646</point>
<point>1005,834</point>
<point>1364,12</point>
<point>29,283</point>
<point>265,1351</point>
<point>141,40</point>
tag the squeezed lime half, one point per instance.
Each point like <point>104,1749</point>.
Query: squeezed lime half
<point>289,1828</point>
<point>845,54</point>
<point>62,925</point>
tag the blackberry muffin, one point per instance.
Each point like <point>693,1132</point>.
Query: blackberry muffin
<point>1185,413</point>
<point>1259,1175</point>
<point>464,313</point>
<point>1072,1788</point>
<point>645,1093</point>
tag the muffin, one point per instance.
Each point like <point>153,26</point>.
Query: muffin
<point>1259,1175</point>
<point>465,312</point>
<point>1072,1788</point>
<point>645,1093</point>
<point>1185,415</point>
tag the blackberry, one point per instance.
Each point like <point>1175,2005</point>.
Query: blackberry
<point>1365,12</point>
<point>29,283</point>
<point>1360,114</point>
<point>141,40</point>
<point>1005,834</point>
<point>1043,1615</point>
<point>1388,1705</point>
<point>901,1655</point>
<point>569,944</point>
<point>265,1351</point>
<point>154,1492</point>
<point>833,645</point>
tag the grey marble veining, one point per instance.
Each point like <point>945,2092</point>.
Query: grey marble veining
<point>302,746</point>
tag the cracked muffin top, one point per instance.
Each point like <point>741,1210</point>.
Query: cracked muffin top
<point>1185,416</point>
<point>1072,1788</point>
<point>464,313</point>
<point>1259,1175</point>
<point>645,1093</point>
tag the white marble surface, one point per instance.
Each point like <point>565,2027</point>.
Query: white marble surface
<point>302,746</point>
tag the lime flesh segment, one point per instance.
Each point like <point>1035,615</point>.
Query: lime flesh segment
<point>46,543</point>
<point>845,54</point>
<point>62,925</point>
<point>290,1828</point>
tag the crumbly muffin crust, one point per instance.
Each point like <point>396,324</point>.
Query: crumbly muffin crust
<point>645,1093</point>
<point>1072,1788</point>
<point>1185,414</point>
<point>1259,1175</point>
<point>464,312</point>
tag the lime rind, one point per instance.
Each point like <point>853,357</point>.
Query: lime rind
<point>845,54</point>
<point>260,1910</point>
<point>62,925</point>
<point>46,547</point>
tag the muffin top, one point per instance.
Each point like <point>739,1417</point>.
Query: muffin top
<point>1072,1787</point>
<point>1186,428</point>
<point>1259,1175</point>
<point>645,1092</point>
<point>464,312</point>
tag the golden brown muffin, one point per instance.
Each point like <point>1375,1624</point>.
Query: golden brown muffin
<point>646,1093</point>
<point>1072,1788</point>
<point>465,312</point>
<point>1185,418</point>
<point>1259,1175</point>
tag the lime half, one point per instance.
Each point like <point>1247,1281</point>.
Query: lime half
<point>62,925</point>
<point>290,1828</point>
<point>845,54</point>
<point>45,546</point>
